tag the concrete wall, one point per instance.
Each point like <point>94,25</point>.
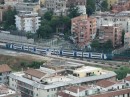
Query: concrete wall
<point>13,38</point>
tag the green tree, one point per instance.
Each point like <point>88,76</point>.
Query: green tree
<point>73,11</point>
<point>45,31</point>
<point>89,10</point>
<point>9,19</point>
<point>48,15</point>
<point>95,44</point>
<point>29,35</point>
<point>122,72</point>
<point>104,5</point>
<point>122,37</point>
<point>90,7</point>
<point>108,45</point>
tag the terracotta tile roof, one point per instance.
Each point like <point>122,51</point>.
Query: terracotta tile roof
<point>62,94</point>
<point>4,68</point>
<point>127,78</point>
<point>113,93</point>
<point>35,73</point>
<point>75,88</point>
<point>105,83</point>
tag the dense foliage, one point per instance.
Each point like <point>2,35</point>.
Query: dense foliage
<point>34,64</point>
<point>91,7</point>
<point>51,24</point>
<point>122,72</point>
<point>9,19</point>
<point>102,47</point>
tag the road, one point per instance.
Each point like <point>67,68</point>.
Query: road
<point>102,63</point>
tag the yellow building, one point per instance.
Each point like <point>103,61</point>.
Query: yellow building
<point>42,2</point>
<point>111,2</point>
<point>87,71</point>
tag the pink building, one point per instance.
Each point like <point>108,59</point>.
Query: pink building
<point>110,32</point>
<point>83,29</point>
<point>122,5</point>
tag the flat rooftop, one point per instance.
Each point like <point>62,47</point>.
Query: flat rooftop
<point>86,69</point>
<point>63,78</point>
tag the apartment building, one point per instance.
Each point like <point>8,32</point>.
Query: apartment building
<point>81,4</point>
<point>61,6</point>
<point>103,88</point>
<point>127,39</point>
<point>51,78</point>
<point>78,91</point>
<point>5,70</point>
<point>12,3</point>
<point>57,6</point>
<point>27,21</point>
<point>34,7</point>
<point>122,5</point>
<point>109,18</point>
<point>110,32</point>
<point>6,92</point>
<point>111,2</point>
<point>42,2</point>
<point>83,30</point>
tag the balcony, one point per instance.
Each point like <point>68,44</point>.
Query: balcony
<point>101,37</point>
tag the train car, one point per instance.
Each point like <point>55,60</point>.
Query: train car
<point>67,53</point>
<point>41,50</point>
<point>86,54</point>
<point>55,52</point>
<point>108,56</point>
<point>9,45</point>
<point>79,54</point>
<point>25,48</point>
<point>17,46</point>
<point>31,49</point>
<point>3,45</point>
<point>96,55</point>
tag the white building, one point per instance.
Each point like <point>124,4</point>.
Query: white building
<point>6,92</point>
<point>4,72</point>
<point>78,91</point>
<point>12,3</point>
<point>48,81</point>
<point>127,39</point>
<point>108,85</point>
<point>61,6</point>
<point>27,21</point>
<point>120,18</point>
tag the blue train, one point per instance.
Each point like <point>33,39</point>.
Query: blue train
<point>41,51</point>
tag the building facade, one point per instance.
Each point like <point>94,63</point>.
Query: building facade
<point>48,81</point>
<point>83,30</point>
<point>12,3</point>
<point>34,7</point>
<point>110,32</point>
<point>109,19</point>
<point>5,70</point>
<point>6,92</point>
<point>61,6</point>
<point>127,39</point>
<point>27,21</point>
<point>122,5</point>
<point>111,2</point>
